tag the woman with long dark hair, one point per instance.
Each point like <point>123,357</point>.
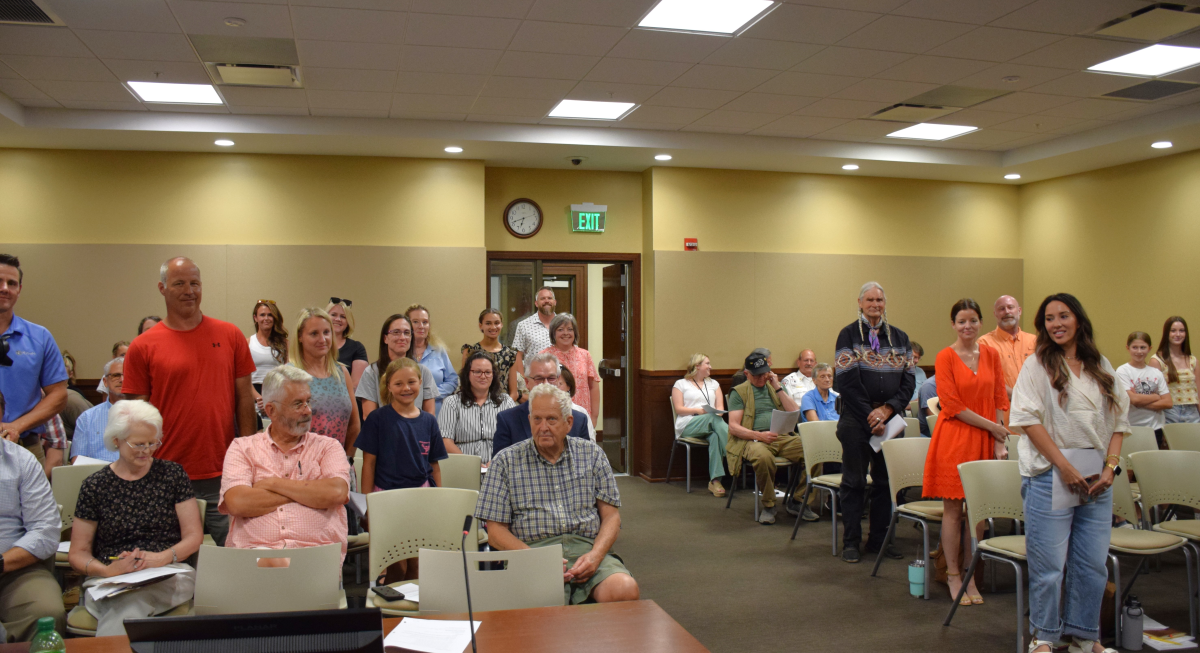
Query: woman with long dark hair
<point>1174,358</point>
<point>468,417</point>
<point>1074,416</point>
<point>395,341</point>
<point>491,323</point>
<point>268,345</point>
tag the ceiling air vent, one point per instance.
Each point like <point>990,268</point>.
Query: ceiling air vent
<point>912,113</point>
<point>1152,90</point>
<point>233,74</point>
<point>27,12</point>
<point>1153,23</point>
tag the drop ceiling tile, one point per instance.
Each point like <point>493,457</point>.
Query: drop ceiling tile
<point>1031,139</point>
<point>503,118</point>
<point>995,44</point>
<point>247,96</point>
<point>1188,97</point>
<point>48,104</point>
<point>356,100</point>
<point>845,109</point>
<point>460,31</point>
<point>761,53</point>
<point>868,129</point>
<point>712,129</point>
<point>439,83</point>
<point>809,24</point>
<point>568,122</point>
<point>418,115</point>
<point>188,108</point>
<point>104,106</point>
<point>271,21</point>
<point>696,98</point>
<point>902,34</point>
<point>1037,124</point>
<point>589,40</point>
<point>354,25</point>
<point>768,103</point>
<point>543,64</point>
<point>262,2</point>
<point>123,15</point>
<point>507,106</point>
<point>1023,102</point>
<point>933,70</point>
<point>462,61</point>
<point>855,62</point>
<point>808,84</point>
<point>172,72</point>
<point>618,13</point>
<point>486,8</point>
<point>98,91</point>
<point>879,6</point>
<point>134,45</point>
<point>348,79</point>
<point>1186,75</point>
<point>1067,16</point>
<point>8,73</point>
<point>637,71</point>
<point>1139,110</point>
<point>1029,76</point>
<point>883,90</point>
<point>348,113</point>
<point>270,111</point>
<point>428,103</point>
<point>977,118</point>
<point>664,115</point>
<point>340,54</point>
<point>1090,108</point>
<point>723,77</point>
<point>1086,84</point>
<point>1077,53</point>
<point>19,89</point>
<point>40,41</point>
<point>978,13</point>
<point>613,92</point>
<point>743,121</point>
<point>798,126</point>
<point>1082,126</point>
<point>75,69</point>
<point>378,5</point>
<point>656,126</point>
<point>984,137</point>
<point>527,87</point>
<point>666,46</point>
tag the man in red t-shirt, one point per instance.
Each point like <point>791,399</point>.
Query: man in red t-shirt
<point>196,371</point>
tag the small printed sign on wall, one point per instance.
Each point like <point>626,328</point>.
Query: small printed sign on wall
<point>691,244</point>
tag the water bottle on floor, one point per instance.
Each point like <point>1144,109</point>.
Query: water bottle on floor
<point>47,640</point>
<point>1131,624</point>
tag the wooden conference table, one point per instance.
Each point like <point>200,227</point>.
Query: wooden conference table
<point>601,627</point>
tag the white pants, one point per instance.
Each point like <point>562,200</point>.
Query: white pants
<point>158,598</point>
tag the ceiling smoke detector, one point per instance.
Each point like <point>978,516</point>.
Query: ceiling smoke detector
<point>234,21</point>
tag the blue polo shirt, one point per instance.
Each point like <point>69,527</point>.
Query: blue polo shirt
<point>825,409</point>
<point>37,363</point>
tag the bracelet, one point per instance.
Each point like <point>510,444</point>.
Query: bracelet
<point>89,564</point>
<point>1111,456</point>
<point>174,556</point>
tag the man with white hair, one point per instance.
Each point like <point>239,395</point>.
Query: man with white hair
<point>285,488</point>
<point>801,382</point>
<point>1013,344</point>
<point>89,428</point>
<point>553,489</point>
<point>512,425</point>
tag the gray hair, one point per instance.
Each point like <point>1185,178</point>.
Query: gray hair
<point>544,357</point>
<point>122,417</point>
<point>558,395</point>
<point>273,389</point>
<point>558,321</point>
<point>821,367</point>
<point>115,361</point>
<point>871,285</point>
<point>761,351</point>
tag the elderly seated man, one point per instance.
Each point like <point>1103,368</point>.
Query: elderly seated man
<point>89,428</point>
<point>285,487</point>
<point>553,489</point>
<point>29,530</point>
<point>512,425</point>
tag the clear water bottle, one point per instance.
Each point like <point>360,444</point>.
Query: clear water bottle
<point>47,640</point>
<point>1131,624</point>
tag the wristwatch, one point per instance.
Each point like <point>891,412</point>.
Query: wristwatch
<point>779,389</point>
<point>1115,467</point>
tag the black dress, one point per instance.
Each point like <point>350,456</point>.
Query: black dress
<point>134,514</point>
<point>352,351</point>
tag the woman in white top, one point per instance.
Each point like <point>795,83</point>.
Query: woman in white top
<point>1149,394</point>
<point>689,396</point>
<point>268,345</point>
<point>468,417</point>
<point>1073,414</point>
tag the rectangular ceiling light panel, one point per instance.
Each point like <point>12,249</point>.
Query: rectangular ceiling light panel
<point>930,132</point>
<point>175,93</point>
<point>1153,61</point>
<point>588,110</point>
<point>710,16</point>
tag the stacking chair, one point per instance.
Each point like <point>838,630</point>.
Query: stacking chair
<point>934,407</point>
<point>821,446</point>
<point>912,428</point>
<point>529,578</point>
<point>1141,438</point>
<point>687,444</point>
<point>993,490</point>
<point>905,461</point>
<point>913,407</point>
<point>65,482</point>
<point>229,580</point>
<point>748,478</point>
<point>1169,477</point>
<point>461,471</point>
<point>405,521</point>
<point>1182,437</point>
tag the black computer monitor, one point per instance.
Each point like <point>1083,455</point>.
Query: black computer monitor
<point>315,631</point>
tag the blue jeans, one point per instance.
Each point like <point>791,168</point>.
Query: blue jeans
<point>1068,545</point>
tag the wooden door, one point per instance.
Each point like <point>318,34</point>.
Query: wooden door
<point>614,368</point>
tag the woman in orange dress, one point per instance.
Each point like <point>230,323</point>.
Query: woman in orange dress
<point>971,392</point>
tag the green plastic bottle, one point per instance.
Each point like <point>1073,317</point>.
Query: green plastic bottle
<point>47,640</point>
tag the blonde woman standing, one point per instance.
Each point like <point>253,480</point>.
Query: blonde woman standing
<point>690,395</point>
<point>332,402</point>
<point>350,352</point>
<point>428,350</point>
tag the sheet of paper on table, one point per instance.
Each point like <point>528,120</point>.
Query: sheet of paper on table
<point>87,460</point>
<point>429,636</point>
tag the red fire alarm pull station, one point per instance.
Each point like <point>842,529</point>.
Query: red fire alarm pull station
<point>691,244</point>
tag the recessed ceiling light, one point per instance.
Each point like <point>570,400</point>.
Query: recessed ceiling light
<point>589,110</point>
<point>714,16</point>
<point>223,142</point>
<point>454,150</point>
<point>849,166</point>
<point>662,157</point>
<point>1152,61</point>
<point>931,132</point>
<point>175,93</point>
<point>234,21</point>
<point>1162,145</point>
<point>1012,175</point>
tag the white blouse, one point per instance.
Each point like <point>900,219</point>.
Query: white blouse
<point>695,397</point>
<point>1084,423</point>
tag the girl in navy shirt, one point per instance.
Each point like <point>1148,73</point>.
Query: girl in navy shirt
<point>401,444</point>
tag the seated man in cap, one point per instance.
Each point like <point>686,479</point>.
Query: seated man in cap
<point>750,436</point>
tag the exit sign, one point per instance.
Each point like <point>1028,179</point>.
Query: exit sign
<point>588,217</point>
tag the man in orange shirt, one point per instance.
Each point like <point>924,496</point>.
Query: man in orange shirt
<point>1013,344</point>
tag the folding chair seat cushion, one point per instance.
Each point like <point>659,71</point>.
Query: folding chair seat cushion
<point>1012,546</point>
<point>1188,528</point>
<point>376,601</point>
<point>930,510</point>
<point>1129,540</point>
<point>80,621</point>
<point>833,480</point>
<point>360,542</point>
<point>695,442</point>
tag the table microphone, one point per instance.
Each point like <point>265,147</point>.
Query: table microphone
<point>467,579</point>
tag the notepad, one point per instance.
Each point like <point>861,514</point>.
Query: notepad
<point>784,421</point>
<point>112,585</point>
<point>429,636</point>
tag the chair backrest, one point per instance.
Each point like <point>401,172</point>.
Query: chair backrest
<point>1182,437</point>
<point>229,581</point>
<point>905,459</point>
<point>530,578</point>
<point>992,489</point>
<point>358,463</point>
<point>1168,477</point>
<point>913,407</point>
<point>820,443</point>
<point>462,471</point>
<point>1012,442</point>
<point>405,521</point>
<point>65,482</point>
<point>933,406</point>
<point>1122,495</point>
<point>912,428</point>
<point>1141,438</point>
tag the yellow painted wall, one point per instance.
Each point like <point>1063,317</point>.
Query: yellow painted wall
<point>1123,240</point>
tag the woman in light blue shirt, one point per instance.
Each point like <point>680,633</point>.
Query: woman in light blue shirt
<point>428,350</point>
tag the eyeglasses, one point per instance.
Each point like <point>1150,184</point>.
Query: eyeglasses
<point>545,379</point>
<point>296,405</point>
<point>481,372</point>
<point>267,301</point>
<point>143,448</point>
<point>115,377</point>
<point>396,333</point>
<point>339,300</point>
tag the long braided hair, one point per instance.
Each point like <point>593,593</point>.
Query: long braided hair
<point>1050,354</point>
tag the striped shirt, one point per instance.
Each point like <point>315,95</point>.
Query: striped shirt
<point>471,427</point>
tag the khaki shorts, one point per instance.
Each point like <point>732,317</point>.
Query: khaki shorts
<point>575,546</point>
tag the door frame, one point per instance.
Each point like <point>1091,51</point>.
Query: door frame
<point>638,446</point>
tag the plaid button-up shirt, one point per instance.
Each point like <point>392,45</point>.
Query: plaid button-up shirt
<point>539,499</point>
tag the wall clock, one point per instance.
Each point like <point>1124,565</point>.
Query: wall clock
<point>523,218</point>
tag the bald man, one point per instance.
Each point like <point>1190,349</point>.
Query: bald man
<point>799,383</point>
<point>1013,344</point>
<point>196,370</point>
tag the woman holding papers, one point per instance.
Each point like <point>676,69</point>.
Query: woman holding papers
<point>690,396</point>
<point>1075,418</point>
<point>972,392</point>
<point>137,514</point>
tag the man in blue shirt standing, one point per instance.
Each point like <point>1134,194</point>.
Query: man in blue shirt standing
<point>32,375</point>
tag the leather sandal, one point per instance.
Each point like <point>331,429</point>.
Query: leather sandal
<point>965,600</point>
<point>1040,642</point>
<point>1085,646</point>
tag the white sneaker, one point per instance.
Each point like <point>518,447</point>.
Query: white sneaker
<point>767,516</point>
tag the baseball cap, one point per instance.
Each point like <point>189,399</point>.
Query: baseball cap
<point>756,364</point>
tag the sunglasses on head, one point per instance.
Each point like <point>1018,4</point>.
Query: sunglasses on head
<point>339,300</point>
<point>267,301</point>
<point>5,361</point>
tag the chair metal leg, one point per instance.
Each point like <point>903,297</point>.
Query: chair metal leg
<point>962,590</point>
<point>687,471</point>
<point>1116,572</point>
<point>671,460</point>
<point>733,481</point>
<point>925,556</point>
<point>1020,606</point>
<point>808,488</point>
<point>887,539</point>
<point>1187,554</point>
<point>834,500</point>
